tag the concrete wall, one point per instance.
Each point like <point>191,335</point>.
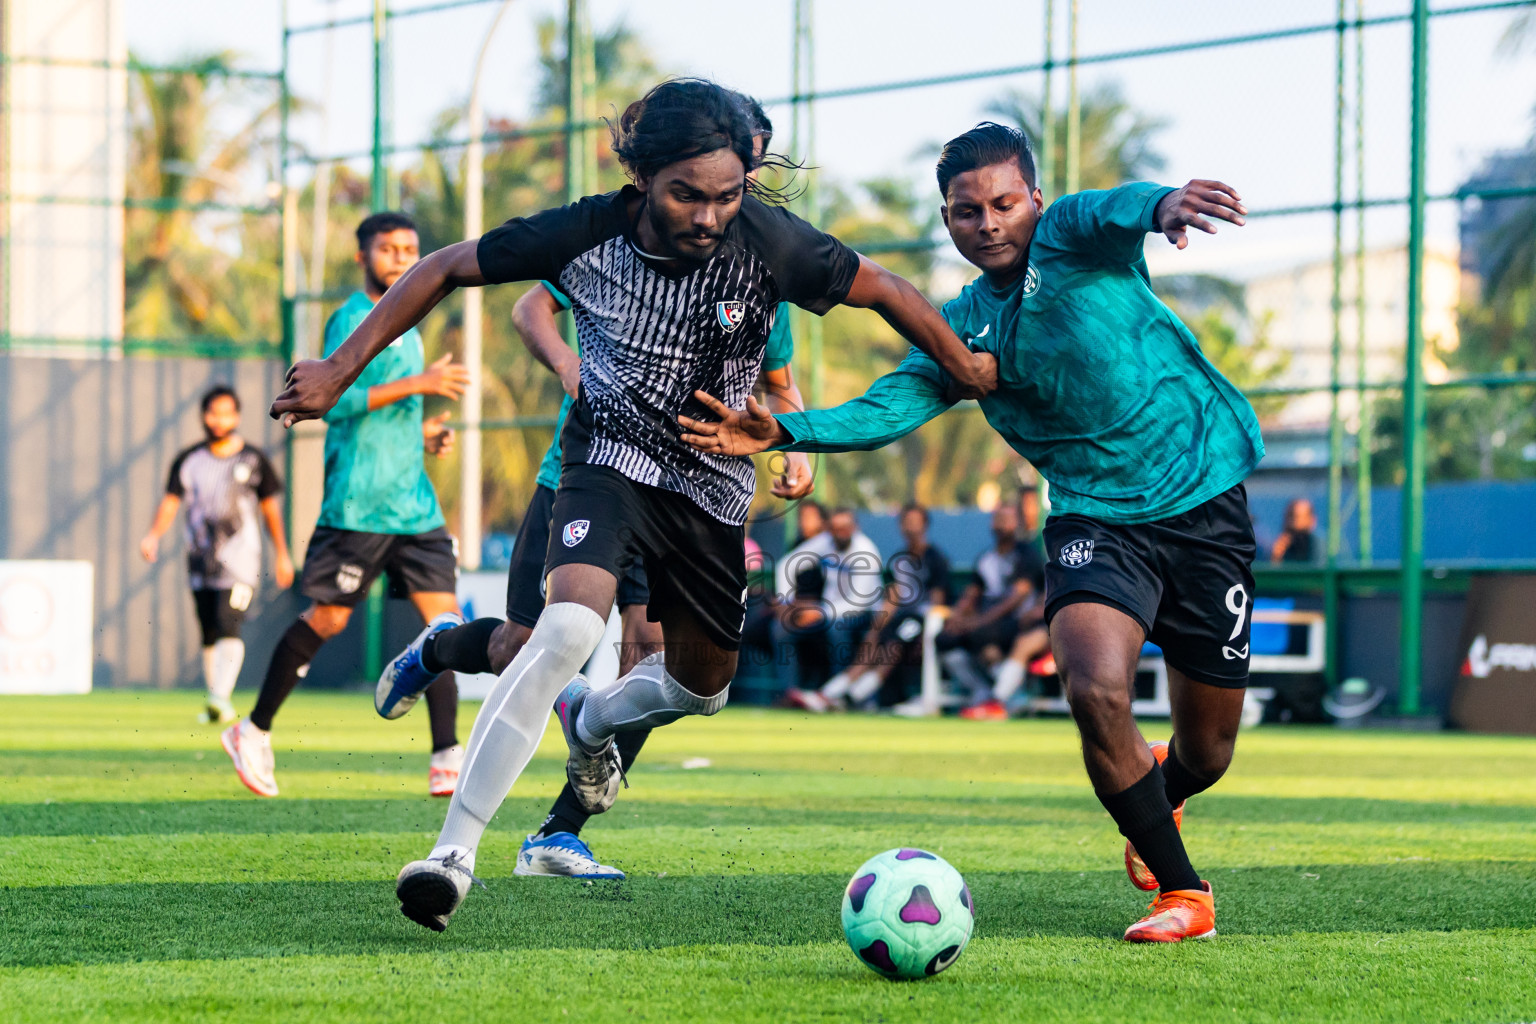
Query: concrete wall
<point>86,449</point>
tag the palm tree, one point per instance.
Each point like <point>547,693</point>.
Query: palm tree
<point>1116,140</point>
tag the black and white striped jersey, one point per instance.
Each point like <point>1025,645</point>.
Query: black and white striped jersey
<point>655,331</point>
<point>221,496</point>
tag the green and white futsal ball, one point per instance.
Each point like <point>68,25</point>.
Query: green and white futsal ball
<point>907,913</point>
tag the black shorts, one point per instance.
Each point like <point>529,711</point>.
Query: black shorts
<point>342,564</point>
<point>1187,579</point>
<point>693,561</point>
<point>525,577</point>
<point>221,613</point>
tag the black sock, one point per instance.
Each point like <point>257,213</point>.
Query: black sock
<point>443,711</point>
<point>465,648</point>
<point>567,814</point>
<point>1145,818</point>
<point>1180,782</point>
<point>294,651</point>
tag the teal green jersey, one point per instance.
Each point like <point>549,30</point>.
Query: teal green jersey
<point>375,478</point>
<point>1100,385</point>
<point>781,349</point>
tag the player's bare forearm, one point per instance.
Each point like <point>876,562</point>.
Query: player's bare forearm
<point>534,317</point>
<point>914,318</point>
<point>165,515</point>
<point>314,385</point>
<point>272,512</point>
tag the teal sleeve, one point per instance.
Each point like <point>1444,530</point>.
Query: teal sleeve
<point>1110,224</point>
<point>894,406</point>
<point>353,401</point>
<point>781,342</point>
<point>563,299</point>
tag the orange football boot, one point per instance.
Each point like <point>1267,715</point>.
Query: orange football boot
<point>1141,877</point>
<point>1176,915</point>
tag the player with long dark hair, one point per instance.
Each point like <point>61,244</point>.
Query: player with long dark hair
<point>1146,446</point>
<point>674,281</point>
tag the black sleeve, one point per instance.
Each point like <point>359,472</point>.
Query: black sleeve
<point>537,248</point>
<point>173,484</point>
<point>811,268</point>
<point>267,481</point>
<point>939,577</point>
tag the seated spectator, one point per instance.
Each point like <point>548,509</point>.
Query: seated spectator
<point>985,622</point>
<point>1298,540</point>
<point>829,587</point>
<point>917,578</point>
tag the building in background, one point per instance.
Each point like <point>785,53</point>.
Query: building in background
<point>63,167</point>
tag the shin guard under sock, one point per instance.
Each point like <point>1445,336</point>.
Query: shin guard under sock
<point>1145,817</point>
<point>294,651</point>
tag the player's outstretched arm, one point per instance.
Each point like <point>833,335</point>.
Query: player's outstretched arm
<point>914,318</point>
<point>1188,207</point>
<point>894,406</point>
<point>534,317</point>
<point>314,385</point>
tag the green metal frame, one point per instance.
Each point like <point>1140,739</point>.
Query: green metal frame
<point>578,129</point>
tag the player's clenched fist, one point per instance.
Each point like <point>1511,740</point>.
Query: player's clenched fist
<point>314,385</point>
<point>1189,206</point>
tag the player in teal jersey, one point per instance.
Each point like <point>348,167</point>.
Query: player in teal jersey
<point>1145,445</point>
<point>379,513</point>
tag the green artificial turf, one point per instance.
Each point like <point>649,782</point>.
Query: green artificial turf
<point>1359,876</point>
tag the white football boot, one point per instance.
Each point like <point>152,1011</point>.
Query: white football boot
<point>250,749</point>
<point>431,890</point>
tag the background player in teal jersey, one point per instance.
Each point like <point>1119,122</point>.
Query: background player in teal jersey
<point>379,514</point>
<point>489,645</point>
<point>1145,446</point>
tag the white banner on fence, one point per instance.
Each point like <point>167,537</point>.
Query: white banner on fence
<point>46,623</point>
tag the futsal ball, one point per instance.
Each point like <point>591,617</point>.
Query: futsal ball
<point>907,913</point>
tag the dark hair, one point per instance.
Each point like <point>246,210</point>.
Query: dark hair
<point>845,510</point>
<point>761,124</point>
<point>381,223</point>
<point>987,144</point>
<point>687,117</point>
<point>814,505</point>
<point>220,391</point>
<point>913,506</point>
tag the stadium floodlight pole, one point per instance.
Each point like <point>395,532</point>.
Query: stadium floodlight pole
<point>804,152</point>
<point>1335,360</point>
<point>1364,434</point>
<point>380,189</point>
<point>286,300</point>
<point>474,326</point>
<point>575,135</point>
<point>1074,108</point>
<point>1411,584</point>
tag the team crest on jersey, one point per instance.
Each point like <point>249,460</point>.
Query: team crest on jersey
<point>730,314</point>
<point>1031,280</point>
<point>575,532</point>
<point>1078,553</point>
<point>349,578</point>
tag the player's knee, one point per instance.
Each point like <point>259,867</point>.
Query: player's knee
<point>327,620</point>
<point>1097,698</point>
<point>506,641</point>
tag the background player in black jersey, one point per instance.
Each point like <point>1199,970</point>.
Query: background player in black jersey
<point>223,482</point>
<point>674,281</point>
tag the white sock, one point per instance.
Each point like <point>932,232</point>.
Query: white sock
<point>644,699</point>
<point>1010,676</point>
<point>228,656</point>
<point>211,670</point>
<point>865,687</point>
<point>515,715</point>
<point>836,687</point>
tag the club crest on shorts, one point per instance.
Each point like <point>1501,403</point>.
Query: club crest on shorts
<point>349,578</point>
<point>1078,553</point>
<point>730,314</point>
<point>575,532</point>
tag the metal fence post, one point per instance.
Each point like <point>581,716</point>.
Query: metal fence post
<point>1412,572</point>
